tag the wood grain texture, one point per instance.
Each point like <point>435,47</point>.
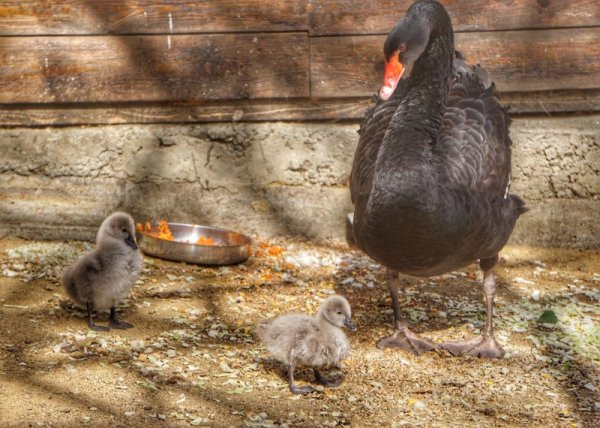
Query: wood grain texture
<point>302,109</point>
<point>37,17</point>
<point>332,17</point>
<point>153,68</point>
<point>535,60</point>
<point>220,111</point>
<point>553,102</point>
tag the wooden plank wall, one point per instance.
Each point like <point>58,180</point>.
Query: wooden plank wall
<point>143,61</point>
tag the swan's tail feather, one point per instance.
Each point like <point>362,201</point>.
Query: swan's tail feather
<point>518,204</point>
<point>461,67</point>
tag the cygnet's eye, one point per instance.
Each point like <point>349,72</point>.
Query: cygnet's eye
<point>124,230</point>
<point>339,312</point>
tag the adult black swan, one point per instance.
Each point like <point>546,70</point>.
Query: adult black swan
<point>431,172</point>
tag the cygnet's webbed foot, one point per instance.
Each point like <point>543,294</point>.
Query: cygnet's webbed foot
<point>113,322</point>
<point>320,379</point>
<point>90,320</point>
<point>301,389</point>
<point>120,325</point>
<point>405,339</point>
<point>293,387</point>
<point>480,346</point>
<point>95,327</point>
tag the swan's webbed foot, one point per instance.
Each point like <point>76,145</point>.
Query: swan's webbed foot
<point>480,346</point>
<point>326,382</point>
<point>405,339</point>
<point>402,337</point>
<point>484,345</point>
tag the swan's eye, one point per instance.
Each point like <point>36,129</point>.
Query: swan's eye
<point>402,47</point>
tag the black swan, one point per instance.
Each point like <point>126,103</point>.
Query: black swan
<point>431,172</point>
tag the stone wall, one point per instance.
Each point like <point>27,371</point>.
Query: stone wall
<point>263,178</point>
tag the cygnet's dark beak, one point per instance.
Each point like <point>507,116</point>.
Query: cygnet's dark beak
<point>348,323</point>
<point>131,241</point>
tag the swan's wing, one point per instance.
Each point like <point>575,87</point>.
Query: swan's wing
<point>372,131</point>
<point>474,145</point>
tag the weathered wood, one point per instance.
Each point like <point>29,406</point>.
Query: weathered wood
<point>535,60</point>
<point>301,109</point>
<point>37,17</point>
<point>346,65</point>
<point>153,68</point>
<point>553,102</point>
<point>332,17</point>
<point>242,110</point>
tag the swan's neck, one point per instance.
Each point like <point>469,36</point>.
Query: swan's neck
<point>405,158</point>
<point>423,101</point>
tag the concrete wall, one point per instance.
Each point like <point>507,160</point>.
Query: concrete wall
<point>263,178</point>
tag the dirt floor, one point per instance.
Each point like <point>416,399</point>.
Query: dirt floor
<point>192,358</point>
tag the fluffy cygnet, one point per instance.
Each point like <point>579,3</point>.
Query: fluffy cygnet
<point>104,276</point>
<point>304,340</point>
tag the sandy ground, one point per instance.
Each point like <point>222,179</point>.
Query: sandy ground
<point>192,358</point>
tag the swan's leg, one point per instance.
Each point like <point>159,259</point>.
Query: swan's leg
<point>484,345</point>
<point>402,337</point>
<point>113,322</point>
<point>325,382</point>
<point>91,324</point>
<point>293,387</point>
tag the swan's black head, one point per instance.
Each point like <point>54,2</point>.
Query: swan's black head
<point>409,39</point>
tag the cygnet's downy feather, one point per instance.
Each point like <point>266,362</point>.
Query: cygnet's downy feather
<point>311,341</point>
<point>103,277</point>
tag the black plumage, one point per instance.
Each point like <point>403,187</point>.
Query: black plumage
<point>431,172</point>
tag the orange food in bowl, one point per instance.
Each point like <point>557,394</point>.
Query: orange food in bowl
<point>205,241</point>
<point>162,231</point>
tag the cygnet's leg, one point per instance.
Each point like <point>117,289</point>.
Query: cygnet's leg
<point>402,337</point>
<point>325,382</point>
<point>293,387</point>
<point>484,345</point>
<point>113,322</point>
<point>91,324</point>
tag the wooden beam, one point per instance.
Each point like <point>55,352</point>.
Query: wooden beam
<point>301,109</point>
<point>553,102</point>
<point>62,17</point>
<point>153,68</point>
<point>518,61</point>
<point>239,110</point>
<point>332,17</point>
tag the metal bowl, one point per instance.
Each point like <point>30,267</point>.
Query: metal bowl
<point>229,247</point>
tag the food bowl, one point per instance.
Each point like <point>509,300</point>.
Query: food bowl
<point>222,247</point>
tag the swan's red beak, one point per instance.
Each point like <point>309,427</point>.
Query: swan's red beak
<point>393,73</point>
